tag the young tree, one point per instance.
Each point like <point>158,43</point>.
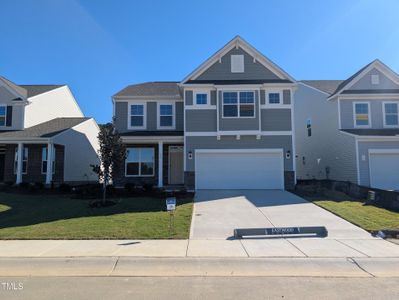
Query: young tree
<point>112,154</point>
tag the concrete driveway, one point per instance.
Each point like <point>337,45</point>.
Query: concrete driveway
<point>218,212</point>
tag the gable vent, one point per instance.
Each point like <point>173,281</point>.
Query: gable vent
<point>237,63</point>
<point>375,79</point>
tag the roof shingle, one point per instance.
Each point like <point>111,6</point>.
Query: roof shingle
<point>166,89</point>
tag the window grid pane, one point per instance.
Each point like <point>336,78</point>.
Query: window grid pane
<point>137,115</point>
<point>391,114</point>
<point>201,99</point>
<point>274,98</point>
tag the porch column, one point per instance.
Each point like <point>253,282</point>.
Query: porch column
<point>160,164</point>
<point>19,163</point>
<point>49,170</point>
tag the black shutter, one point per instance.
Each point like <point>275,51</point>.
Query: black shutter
<point>9,116</point>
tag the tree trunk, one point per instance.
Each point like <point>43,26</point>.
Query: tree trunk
<point>104,190</point>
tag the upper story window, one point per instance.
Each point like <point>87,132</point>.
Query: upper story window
<point>237,64</point>
<point>238,105</point>
<point>3,114</point>
<point>137,116</point>
<point>25,154</point>
<point>166,118</point>
<point>201,98</point>
<point>139,162</point>
<point>391,114</point>
<point>45,161</point>
<point>362,114</point>
<point>274,98</point>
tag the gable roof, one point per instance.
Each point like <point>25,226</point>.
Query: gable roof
<point>163,89</point>
<point>37,89</point>
<point>16,88</point>
<point>327,86</point>
<point>359,74</point>
<point>239,42</point>
<point>44,130</point>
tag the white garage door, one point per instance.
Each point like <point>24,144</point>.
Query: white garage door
<point>239,169</point>
<point>384,169</point>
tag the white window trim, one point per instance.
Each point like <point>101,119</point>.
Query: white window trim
<point>139,175</point>
<point>27,160</point>
<point>5,115</point>
<point>238,105</point>
<point>129,113</point>
<point>53,166</point>
<point>354,114</point>
<point>159,127</point>
<point>384,113</point>
<point>275,105</point>
<point>202,106</point>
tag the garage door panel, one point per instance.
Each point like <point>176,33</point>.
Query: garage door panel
<point>239,170</point>
<point>384,170</point>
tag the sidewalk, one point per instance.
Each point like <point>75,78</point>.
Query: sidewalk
<point>252,248</point>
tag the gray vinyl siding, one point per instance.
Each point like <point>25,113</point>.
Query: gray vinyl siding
<point>201,120</point>
<point>262,97</point>
<point>364,148</point>
<point>18,111</point>
<point>276,119</point>
<point>245,142</point>
<point>189,97</point>
<point>233,124</point>
<point>286,97</point>
<point>365,82</point>
<point>122,109</point>
<point>327,146</point>
<point>222,70</point>
<point>376,113</point>
<point>213,98</point>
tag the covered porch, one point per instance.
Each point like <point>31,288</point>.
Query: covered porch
<point>39,161</point>
<point>154,160</point>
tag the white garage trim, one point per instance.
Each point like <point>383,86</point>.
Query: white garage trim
<point>278,151</point>
<point>372,152</point>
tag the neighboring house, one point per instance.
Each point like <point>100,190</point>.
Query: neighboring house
<point>41,124</point>
<point>349,130</point>
<point>227,125</point>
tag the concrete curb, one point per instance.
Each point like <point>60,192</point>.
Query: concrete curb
<point>178,267</point>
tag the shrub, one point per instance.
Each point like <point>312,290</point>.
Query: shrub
<point>148,187</point>
<point>24,185</point>
<point>64,188</point>
<point>39,185</point>
<point>130,187</point>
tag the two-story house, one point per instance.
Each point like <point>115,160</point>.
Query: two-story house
<point>349,130</point>
<point>44,136</point>
<point>227,125</point>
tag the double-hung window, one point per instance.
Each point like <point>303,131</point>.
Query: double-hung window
<point>238,105</point>
<point>137,116</point>
<point>45,160</point>
<point>166,118</point>
<point>24,160</point>
<point>140,162</point>
<point>362,114</point>
<point>3,113</point>
<point>391,114</point>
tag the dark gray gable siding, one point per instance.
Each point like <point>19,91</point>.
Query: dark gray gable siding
<point>252,70</point>
<point>365,82</point>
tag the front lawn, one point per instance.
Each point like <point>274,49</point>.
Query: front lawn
<point>60,217</point>
<point>368,217</point>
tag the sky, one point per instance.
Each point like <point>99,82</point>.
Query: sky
<point>97,47</point>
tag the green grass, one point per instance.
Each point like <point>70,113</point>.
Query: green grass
<point>368,217</point>
<point>60,217</point>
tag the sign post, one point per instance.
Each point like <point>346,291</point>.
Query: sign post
<point>171,207</point>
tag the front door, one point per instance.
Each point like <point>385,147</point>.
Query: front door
<point>176,172</point>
